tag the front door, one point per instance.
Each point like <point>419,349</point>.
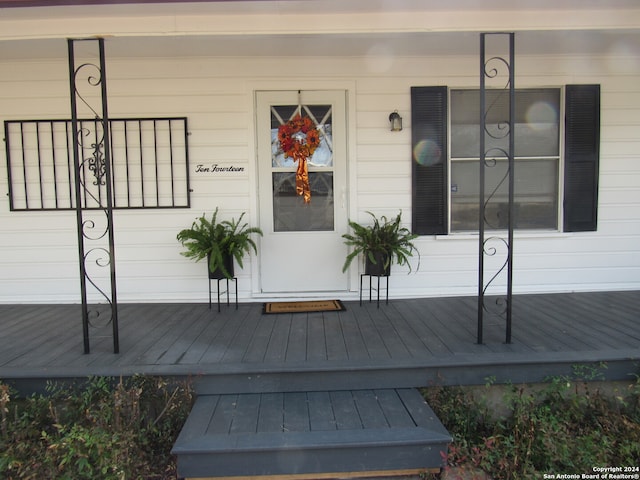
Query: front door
<point>302,248</point>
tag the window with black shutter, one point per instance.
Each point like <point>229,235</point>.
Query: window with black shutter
<point>445,184</point>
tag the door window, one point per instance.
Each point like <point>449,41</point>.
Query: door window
<point>290,213</point>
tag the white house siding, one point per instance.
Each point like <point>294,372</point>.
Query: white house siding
<point>38,252</point>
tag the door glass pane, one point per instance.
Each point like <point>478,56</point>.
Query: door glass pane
<point>291,214</point>
<point>321,116</point>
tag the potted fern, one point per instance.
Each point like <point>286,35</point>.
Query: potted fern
<point>381,244</point>
<point>219,242</point>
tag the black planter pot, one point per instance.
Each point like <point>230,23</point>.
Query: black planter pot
<point>377,269</point>
<point>218,273</point>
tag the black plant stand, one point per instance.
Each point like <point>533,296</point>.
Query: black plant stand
<point>377,289</point>
<point>218,280</point>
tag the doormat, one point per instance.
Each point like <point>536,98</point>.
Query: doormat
<point>303,307</point>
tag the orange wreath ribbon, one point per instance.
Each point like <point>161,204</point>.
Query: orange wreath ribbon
<point>298,139</point>
<point>302,179</point>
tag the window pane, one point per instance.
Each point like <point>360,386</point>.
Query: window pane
<point>536,194</point>
<point>536,123</point>
<point>290,213</point>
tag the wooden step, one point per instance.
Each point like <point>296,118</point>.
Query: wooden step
<point>310,435</point>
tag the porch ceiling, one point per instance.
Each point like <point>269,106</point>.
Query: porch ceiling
<point>140,28</point>
<point>335,45</point>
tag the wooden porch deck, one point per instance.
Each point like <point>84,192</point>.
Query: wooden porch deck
<point>407,343</point>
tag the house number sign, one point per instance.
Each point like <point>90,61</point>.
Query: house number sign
<point>217,168</point>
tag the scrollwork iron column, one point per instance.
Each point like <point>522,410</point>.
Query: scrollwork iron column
<point>498,133</point>
<point>93,188</point>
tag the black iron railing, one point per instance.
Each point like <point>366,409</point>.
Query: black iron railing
<point>149,163</point>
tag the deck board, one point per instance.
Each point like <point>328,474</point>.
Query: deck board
<point>408,333</point>
<point>297,339</point>
<point>426,327</point>
<point>369,410</point>
<point>588,334</point>
<point>296,413</point>
<point>321,411</point>
<point>225,331</point>
<point>200,417</point>
<point>222,415</point>
<point>386,326</point>
<point>150,346</point>
<point>373,340</point>
<point>257,348</point>
<point>539,327</point>
<point>316,338</point>
<point>447,325</point>
<point>394,410</point>
<point>249,405</point>
<point>353,339</point>
<point>270,418</point>
<point>237,347</point>
<point>344,410</point>
<point>178,347</point>
<point>334,338</point>
<point>277,347</point>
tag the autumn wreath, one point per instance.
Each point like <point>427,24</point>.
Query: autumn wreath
<point>298,139</point>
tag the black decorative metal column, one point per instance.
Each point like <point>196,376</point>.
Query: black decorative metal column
<point>93,187</point>
<point>495,256</point>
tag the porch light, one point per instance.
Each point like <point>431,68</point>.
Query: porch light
<point>396,121</point>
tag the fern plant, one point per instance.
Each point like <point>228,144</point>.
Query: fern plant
<point>218,241</point>
<point>386,240</point>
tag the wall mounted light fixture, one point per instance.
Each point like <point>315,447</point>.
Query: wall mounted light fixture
<point>396,121</point>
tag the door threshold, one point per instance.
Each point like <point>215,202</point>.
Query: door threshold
<point>302,296</point>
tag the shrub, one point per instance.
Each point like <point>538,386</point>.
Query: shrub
<point>103,429</point>
<point>564,426</point>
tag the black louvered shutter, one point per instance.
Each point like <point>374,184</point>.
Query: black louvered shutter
<point>429,171</point>
<point>582,155</point>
